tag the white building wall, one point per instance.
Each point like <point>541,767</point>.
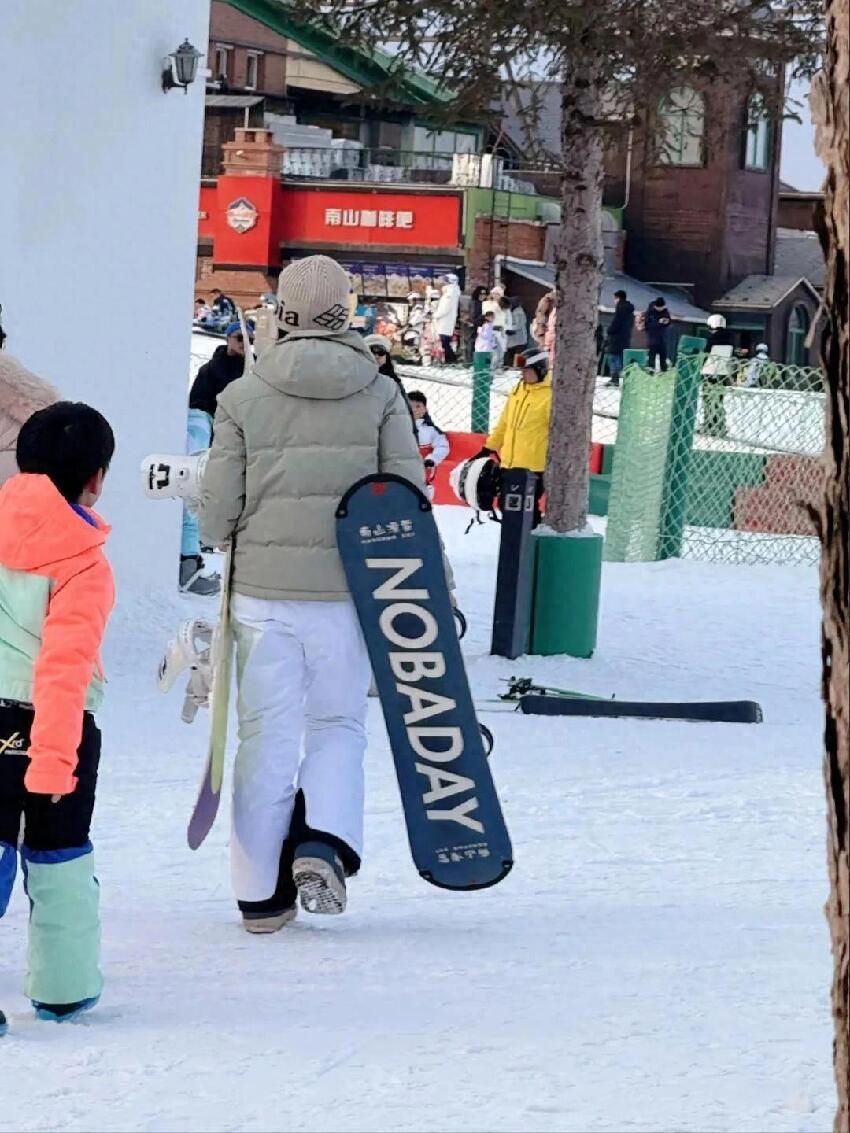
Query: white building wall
<point>99,175</point>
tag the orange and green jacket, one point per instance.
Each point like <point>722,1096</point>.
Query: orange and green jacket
<point>56,594</point>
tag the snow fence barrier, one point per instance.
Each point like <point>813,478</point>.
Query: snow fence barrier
<point>710,469</point>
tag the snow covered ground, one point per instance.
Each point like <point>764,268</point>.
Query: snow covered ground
<point>657,960</point>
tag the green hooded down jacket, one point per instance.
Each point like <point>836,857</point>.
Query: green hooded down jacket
<point>290,438</point>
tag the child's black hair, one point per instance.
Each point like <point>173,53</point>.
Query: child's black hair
<point>68,441</point>
<point>486,318</point>
<point>418,396</point>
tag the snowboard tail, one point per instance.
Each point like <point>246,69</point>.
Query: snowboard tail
<point>392,557</point>
<point>209,796</point>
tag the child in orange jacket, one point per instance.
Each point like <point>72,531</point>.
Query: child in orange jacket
<point>56,594</point>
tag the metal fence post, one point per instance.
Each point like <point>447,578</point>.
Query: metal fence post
<point>680,446</point>
<point>482,378</point>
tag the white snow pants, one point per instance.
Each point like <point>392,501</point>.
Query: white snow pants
<point>302,673</point>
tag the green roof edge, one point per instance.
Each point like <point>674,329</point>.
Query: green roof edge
<point>367,71</point>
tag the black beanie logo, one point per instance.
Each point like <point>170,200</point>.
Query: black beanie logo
<point>334,318</point>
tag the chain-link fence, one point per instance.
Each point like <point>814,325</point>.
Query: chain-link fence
<point>461,399</point>
<point>704,468</point>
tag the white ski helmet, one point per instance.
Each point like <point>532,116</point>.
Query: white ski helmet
<point>380,340</point>
<point>475,482</point>
<point>716,322</point>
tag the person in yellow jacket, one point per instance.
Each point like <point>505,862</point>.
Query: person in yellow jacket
<point>521,436</point>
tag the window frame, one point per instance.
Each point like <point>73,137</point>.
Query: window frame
<point>227,51</point>
<point>255,57</point>
<point>665,123</point>
<point>754,118</point>
<point>795,336</point>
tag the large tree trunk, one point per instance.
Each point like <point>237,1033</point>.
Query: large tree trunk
<point>578,279</point>
<point>831,110</point>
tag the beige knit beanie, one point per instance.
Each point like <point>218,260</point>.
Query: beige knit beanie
<point>313,295</point>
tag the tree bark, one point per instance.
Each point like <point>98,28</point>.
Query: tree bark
<point>578,280</point>
<point>831,111</point>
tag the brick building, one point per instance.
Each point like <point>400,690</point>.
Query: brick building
<point>693,199</point>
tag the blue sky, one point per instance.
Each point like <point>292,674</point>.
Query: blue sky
<point>800,165</point>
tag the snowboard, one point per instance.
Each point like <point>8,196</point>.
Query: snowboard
<point>221,652</point>
<point>392,556</point>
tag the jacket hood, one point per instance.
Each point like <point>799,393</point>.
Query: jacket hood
<point>317,365</point>
<point>38,527</point>
<point>225,362</point>
<point>22,393</point>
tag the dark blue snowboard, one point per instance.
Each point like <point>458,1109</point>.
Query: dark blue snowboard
<point>391,552</point>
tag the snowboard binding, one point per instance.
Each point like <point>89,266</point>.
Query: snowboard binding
<point>190,648</point>
<point>169,477</point>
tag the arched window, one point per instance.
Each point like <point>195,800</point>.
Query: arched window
<point>680,138</point>
<point>795,339</point>
<point>758,135</point>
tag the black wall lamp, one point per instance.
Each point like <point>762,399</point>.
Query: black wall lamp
<point>181,67</point>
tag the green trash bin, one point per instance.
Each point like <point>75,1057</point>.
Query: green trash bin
<point>567,585</point>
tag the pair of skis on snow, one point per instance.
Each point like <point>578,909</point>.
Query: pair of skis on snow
<point>546,700</point>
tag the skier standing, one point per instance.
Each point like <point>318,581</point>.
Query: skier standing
<point>291,437</point>
<point>56,593</point>
<point>521,436</point>
<point>226,365</point>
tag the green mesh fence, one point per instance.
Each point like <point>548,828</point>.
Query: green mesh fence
<point>640,459</point>
<point>707,468</point>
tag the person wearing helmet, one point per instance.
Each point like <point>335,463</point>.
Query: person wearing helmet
<point>521,436</point>
<point>717,373</point>
<point>381,349</point>
<point>757,369</point>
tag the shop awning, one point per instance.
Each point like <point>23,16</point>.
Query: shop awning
<point>232,101</point>
<point>641,294</point>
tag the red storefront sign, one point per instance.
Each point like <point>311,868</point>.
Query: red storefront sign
<point>361,219</point>
<point>249,218</point>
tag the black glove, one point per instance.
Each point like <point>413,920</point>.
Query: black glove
<point>429,463</point>
<point>482,452</point>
